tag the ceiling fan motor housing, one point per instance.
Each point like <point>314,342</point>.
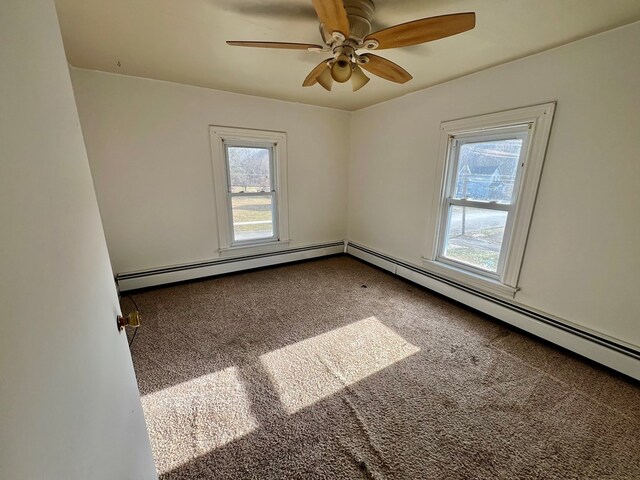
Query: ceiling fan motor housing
<point>359,13</point>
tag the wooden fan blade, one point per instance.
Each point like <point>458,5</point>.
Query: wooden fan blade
<point>423,30</point>
<point>312,78</point>
<point>283,45</point>
<point>385,68</point>
<point>333,15</point>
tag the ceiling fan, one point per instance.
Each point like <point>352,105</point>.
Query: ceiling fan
<point>345,27</point>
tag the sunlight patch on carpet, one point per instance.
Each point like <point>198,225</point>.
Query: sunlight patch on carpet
<point>307,371</point>
<point>197,416</point>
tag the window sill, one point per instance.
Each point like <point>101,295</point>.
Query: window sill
<point>249,249</point>
<point>469,279</point>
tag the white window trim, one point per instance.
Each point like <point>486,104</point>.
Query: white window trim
<point>278,142</point>
<point>539,118</point>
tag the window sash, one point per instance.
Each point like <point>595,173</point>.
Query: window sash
<point>514,132</point>
<point>274,218</point>
<point>266,146</point>
<point>466,266</point>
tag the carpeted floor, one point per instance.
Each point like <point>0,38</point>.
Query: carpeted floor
<point>333,369</point>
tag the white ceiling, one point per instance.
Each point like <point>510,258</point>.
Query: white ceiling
<point>183,41</point>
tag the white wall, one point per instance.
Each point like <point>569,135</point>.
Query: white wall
<point>582,261</point>
<point>148,145</point>
<point>69,403</point>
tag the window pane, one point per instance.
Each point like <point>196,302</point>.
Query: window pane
<point>249,169</point>
<point>475,236</point>
<point>252,217</point>
<point>487,170</point>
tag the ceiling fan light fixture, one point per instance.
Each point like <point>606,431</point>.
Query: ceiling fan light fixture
<point>341,69</point>
<point>325,79</point>
<point>358,79</point>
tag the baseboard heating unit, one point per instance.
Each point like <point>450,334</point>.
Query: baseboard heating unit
<point>192,271</point>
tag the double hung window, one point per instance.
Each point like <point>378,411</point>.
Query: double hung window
<point>489,176</point>
<point>481,195</point>
<point>249,169</point>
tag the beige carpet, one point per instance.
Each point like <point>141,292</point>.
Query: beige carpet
<point>333,369</point>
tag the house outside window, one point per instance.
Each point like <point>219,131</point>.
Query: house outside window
<point>489,176</point>
<point>249,169</point>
